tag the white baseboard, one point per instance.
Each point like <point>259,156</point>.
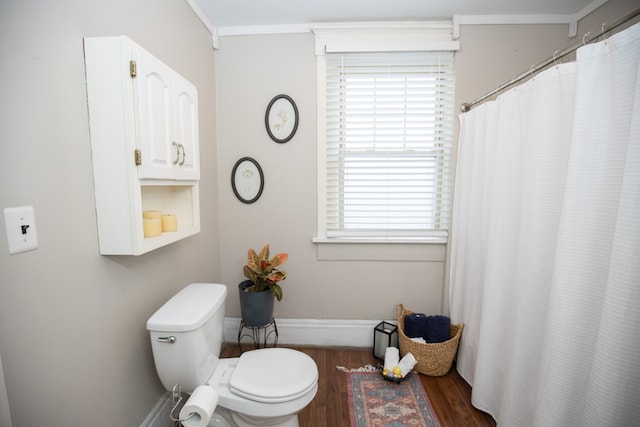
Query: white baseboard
<point>315,332</point>
<point>159,415</point>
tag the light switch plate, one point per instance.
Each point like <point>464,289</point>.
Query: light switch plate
<point>20,223</point>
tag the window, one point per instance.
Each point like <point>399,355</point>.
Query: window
<point>386,134</point>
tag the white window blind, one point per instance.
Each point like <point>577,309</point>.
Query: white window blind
<point>389,131</point>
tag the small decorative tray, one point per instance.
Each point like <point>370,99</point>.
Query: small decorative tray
<point>395,379</point>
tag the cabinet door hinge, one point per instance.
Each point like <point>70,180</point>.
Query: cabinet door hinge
<point>132,69</point>
<point>137,155</point>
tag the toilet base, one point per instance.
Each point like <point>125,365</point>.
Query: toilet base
<point>227,418</point>
<point>247,421</point>
<point>219,419</point>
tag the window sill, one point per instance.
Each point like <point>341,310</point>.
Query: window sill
<point>423,249</point>
<point>380,240</point>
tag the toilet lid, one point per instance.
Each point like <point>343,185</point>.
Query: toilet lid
<point>273,375</point>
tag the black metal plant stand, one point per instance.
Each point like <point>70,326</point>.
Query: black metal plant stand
<point>259,335</point>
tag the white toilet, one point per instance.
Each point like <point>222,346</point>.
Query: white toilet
<point>266,387</point>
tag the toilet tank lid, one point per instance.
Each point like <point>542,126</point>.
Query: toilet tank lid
<point>188,309</point>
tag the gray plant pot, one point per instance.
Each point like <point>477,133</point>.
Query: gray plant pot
<point>256,307</point>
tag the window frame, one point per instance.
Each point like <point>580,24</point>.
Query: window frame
<point>433,36</point>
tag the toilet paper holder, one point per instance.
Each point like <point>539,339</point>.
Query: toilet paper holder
<point>176,399</point>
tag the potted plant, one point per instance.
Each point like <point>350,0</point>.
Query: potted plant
<point>257,294</point>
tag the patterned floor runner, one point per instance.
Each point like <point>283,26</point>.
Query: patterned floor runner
<point>376,402</point>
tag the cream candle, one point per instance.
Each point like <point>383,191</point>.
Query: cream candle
<point>151,214</point>
<point>169,223</point>
<point>152,227</point>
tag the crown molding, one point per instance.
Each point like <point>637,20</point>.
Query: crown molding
<point>213,30</point>
<point>570,19</point>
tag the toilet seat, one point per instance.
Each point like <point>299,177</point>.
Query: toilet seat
<point>220,381</point>
<point>273,375</point>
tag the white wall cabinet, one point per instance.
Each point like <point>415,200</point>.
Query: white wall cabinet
<point>167,120</point>
<point>143,120</point>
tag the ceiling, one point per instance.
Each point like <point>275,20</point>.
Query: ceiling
<point>247,13</point>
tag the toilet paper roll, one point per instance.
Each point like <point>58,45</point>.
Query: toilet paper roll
<point>199,408</point>
<point>169,223</point>
<point>152,227</point>
<point>407,364</point>
<point>151,214</point>
<point>391,358</point>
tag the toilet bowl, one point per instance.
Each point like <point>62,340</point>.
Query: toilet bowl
<point>265,387</point>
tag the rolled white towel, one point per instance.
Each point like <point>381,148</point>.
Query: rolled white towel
<point>391,358</point>
<point>406,364</point>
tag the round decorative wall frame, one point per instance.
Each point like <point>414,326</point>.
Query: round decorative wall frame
<point>281,118</point>
<point>247,180</point>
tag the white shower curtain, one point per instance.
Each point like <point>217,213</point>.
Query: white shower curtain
<point>545,263</point>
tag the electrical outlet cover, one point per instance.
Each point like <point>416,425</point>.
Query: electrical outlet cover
<point>20,223</point>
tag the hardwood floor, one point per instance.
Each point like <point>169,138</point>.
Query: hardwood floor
<point>450,395</point>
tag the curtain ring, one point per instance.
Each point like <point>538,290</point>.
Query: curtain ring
<point>555,60</point>
<point>584,38</point>
<point>604,35</point>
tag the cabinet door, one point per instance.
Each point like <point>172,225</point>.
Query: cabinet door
<point>186,128</point>
<point>154,122</point>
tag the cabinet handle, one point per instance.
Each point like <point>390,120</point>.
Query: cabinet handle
<point>175,144</point>
<point>184,155</point>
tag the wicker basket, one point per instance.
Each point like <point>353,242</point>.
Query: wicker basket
<point>434,359</point>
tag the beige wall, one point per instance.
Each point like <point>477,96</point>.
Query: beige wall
<point>251,70</point>
<point>74,346</point>
<point>493,54</point>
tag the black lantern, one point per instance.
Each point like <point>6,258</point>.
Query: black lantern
<point>385,335</point>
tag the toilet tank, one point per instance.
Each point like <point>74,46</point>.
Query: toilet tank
<point>187,333</point>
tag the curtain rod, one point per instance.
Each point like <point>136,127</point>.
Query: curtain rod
<point>587,38</point>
